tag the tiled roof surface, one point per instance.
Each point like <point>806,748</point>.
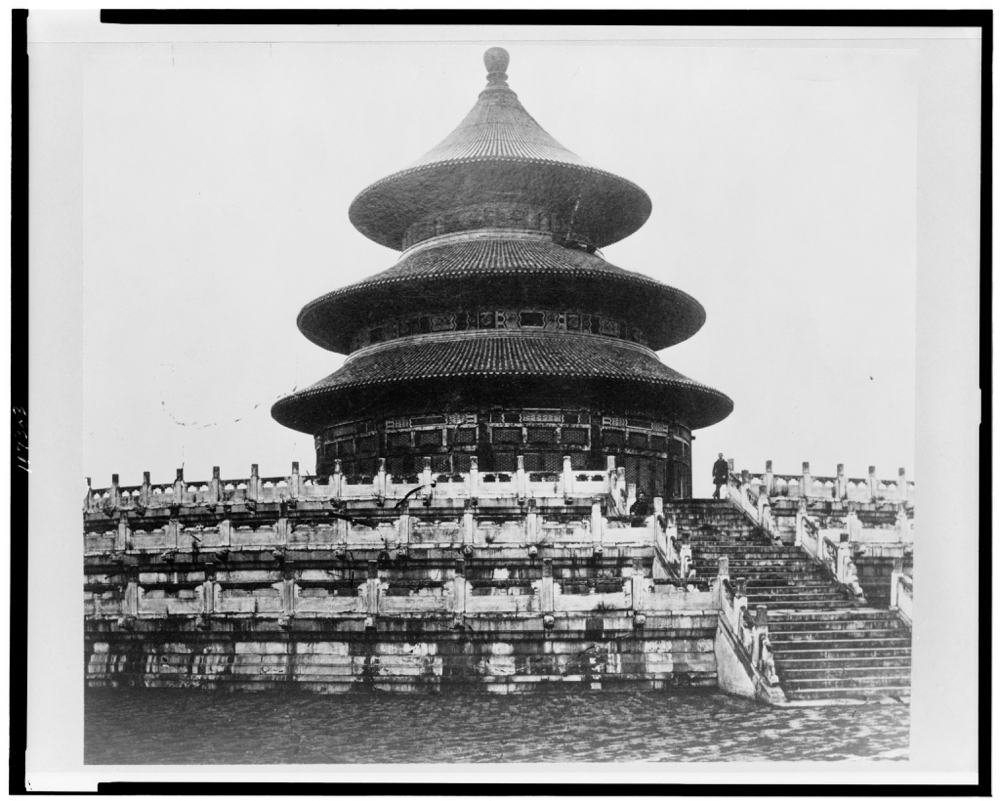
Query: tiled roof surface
<point>498,127</point>
<point>668,315</point>
<point>506,355</point>
<point>479,161</point>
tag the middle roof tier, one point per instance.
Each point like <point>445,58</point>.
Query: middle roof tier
<point>486,277</point>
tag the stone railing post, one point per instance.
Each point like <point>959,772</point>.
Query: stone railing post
<point>670,536</point>
<point>287,597</point>
<point>380,485</point>
<point>739,604</point>
<point>404,523</point>
<point>800,522</point>
<point>622,498</point>
<point>208,593</point>
<point>902,522</point>
<point>844,553</point>
<point>372,588</point>
<point>122,534</point>
<point>521,481</point>
<point>468,523</point>
<point>214,487</point>
<point>567,477</point>
<point>131,601</point>
<point>840,484</point>
<point>179,486</point>
<point>805,483</point>
<point>638,591</point>
<point>427,480</point>
<point>769,477</point>
<point>685,559</point>
<point>596,524</point>
<point>115,498</point>
<point>718,588</point>
<point>897,574</point>
<point>337,480</point>
<point>531,524</point>
<point>459,587</point>
<point>547,593</point>
<point>226,532</point>
<point>854,527</point>
<point>872,484</point>
<point>902,488</point>
<point>294,482</point>
<point>653,524</point>
<point>472,480</point>
<point>145,492</point>
<point>253,488</point>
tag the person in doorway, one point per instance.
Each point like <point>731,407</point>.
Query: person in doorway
<point>720,475</point>
<point>640,510</point>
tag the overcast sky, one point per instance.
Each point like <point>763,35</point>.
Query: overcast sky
<point>217,178</point>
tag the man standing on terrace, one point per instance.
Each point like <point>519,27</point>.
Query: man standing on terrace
<point>720,474</point>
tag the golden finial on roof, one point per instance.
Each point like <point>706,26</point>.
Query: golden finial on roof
<point>496,60</point>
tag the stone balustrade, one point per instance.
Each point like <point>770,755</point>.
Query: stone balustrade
<point>281,594</point>
<point>827,488</point>
<point>568,485</point>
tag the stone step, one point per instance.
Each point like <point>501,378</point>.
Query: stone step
<point>812,603</point>
<point>778,625</point>
<point>780,603</point>
<point>764,565</point>
<point>825,638</point>
<point>875,674</point>
<point>863,612</point>
<point>787,584</point>
<point>900,693</point>
<point>834,641</point>
<point>818,588</point>
<point>887,679</point>
<point>790,664</point>
<point>821,655</point>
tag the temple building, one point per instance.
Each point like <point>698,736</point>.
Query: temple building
<point>476,516</point>
<point>502,331</point>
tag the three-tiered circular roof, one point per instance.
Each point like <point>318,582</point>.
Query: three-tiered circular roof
<point>526,217</point>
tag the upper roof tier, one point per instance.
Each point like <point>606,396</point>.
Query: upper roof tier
<point>485,270</point>
<point>498,155</point>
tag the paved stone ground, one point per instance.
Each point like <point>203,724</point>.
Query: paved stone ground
<point>196,727</point>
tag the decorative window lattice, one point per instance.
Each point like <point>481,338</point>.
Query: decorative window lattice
<point>636,440</point>
<point>504,462</point>
<point>463,436</point>
<point>613,439</point>
<point>368,444</point>
<point>574,436</point>
<point>424,438</point>
<point>541,435</point>
<point>506,436</point>
<point>533,462</point>
<point>400,440</point>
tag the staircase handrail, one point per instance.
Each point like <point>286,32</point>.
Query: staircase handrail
<point>901,597</point>
<point>746,633</point>
<point>835,557</point>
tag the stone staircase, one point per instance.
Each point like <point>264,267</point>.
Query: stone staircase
<point>827,648</point>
